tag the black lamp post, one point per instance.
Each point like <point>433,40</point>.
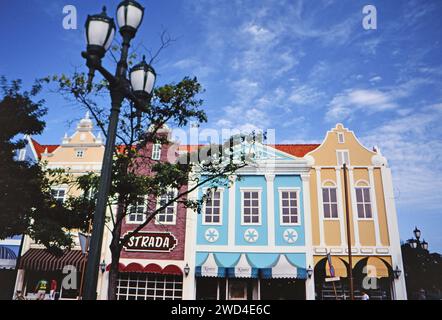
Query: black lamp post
<point>100,31</point>
<point>417,233</point>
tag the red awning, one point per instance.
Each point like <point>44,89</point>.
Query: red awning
<point>171,269</point>
<point>120,267</point>
<point>152,268</point>
<point>133,267</point>
<point>43,260</point>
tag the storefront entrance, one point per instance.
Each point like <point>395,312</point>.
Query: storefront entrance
<point>282,289</point>
<point>143,286</point>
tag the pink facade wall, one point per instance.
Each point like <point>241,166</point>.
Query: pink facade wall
<point>178,230</point>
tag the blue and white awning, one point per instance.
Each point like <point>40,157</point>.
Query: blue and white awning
<point>242,269</point>
<point>8,258</point>
<point>210,268</point>
<point>283,268</point>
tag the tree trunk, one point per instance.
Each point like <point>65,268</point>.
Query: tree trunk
<point>115,249</point>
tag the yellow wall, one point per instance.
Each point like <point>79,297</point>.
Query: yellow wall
<point>360,160</point>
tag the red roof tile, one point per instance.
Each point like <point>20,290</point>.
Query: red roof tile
<point>297,150</point>
<point>40,148</point>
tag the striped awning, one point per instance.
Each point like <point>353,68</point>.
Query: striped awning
<point>284,269</point>
<point>43,260</point>
<point>210,268</point>
<point>8,258</point>
<point>242,269</point>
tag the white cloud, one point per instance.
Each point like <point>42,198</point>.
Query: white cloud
<point>344,104</point>
<point>305,95</point>
<point>414,151</point>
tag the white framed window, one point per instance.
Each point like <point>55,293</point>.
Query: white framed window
<point>136,212</point>
<point>343,157</point>
<point>22,155</point>
<point>79,153</point>
<point>251,207</point>
<point>156,151</point>
<point>166,215</point>
<point>59,194</point>
<point>363,202</point>
<point>341,137</point>
<point>213,207</point>
<point>139,286</point>
<point>289,206</point>
<point>329,202</point>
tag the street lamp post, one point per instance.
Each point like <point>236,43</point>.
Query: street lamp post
<point>100,31</point>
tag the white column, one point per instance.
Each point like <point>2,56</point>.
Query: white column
<point>270,178</point>
<point>19,282</point>
<point>189,282</point>
<point>341,215</point>
<point>320,207</point>
<point>307,214</point>
<point>354,208</point>
<point>231,212</point>
<point>374,207</point>
<point>400,291</point>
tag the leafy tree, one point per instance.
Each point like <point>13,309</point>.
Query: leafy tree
<point>423,271</point>
<point>135,174</point>
<point>26,201</point>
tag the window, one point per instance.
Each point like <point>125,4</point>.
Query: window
<point>79,153</point>
<point>251,207</point>
<point>213,207</point>
<point>341,138</point>
<point>363,202</point>
<point>343,157</point>
<point>156,151</point>
<point>139,286</point>
<point>22,154</point>
<point>330,203</point>
<point>167,215</point>
<point>59,194</point>
<point>289,207</point>
<point>136,211</point>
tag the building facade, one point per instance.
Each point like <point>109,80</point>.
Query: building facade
<point>251,239</point>
<point>373,222</point>
<point>278,231</point>
<point>78,154</point>
<point>153,262</point>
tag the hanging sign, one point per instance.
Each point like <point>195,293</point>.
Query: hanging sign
<point>145,241</point>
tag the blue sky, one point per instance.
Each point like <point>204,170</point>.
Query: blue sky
<point>296,66</point>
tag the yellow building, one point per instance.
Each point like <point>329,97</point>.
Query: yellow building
<point>77,154</point>
<point>373,223</point>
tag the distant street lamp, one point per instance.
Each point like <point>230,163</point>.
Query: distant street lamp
<point>425,245</point>
<point>100,32</point>
<point>417,233</point>
<point>397,272</point>
<point>416,243</point>
<point>309,272</point>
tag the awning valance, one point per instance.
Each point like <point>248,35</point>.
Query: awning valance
<point>243,269</point>
<point>153,268</point>
<point>283,268</point>
<point>43,260</point>
<point>210,268</point>
<point>8,258</point>
<point>375,267</point>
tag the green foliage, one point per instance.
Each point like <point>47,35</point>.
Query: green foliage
<point>28,206</point>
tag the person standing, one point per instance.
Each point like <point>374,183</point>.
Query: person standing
<point>53,289</point>
<point>365,296</point>
<point>41,288</point>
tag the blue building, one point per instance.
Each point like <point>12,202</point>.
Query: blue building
<point>250,236</point>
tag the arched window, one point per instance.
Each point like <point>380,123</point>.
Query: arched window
<point>329,200</point>
<point>363,199</point>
